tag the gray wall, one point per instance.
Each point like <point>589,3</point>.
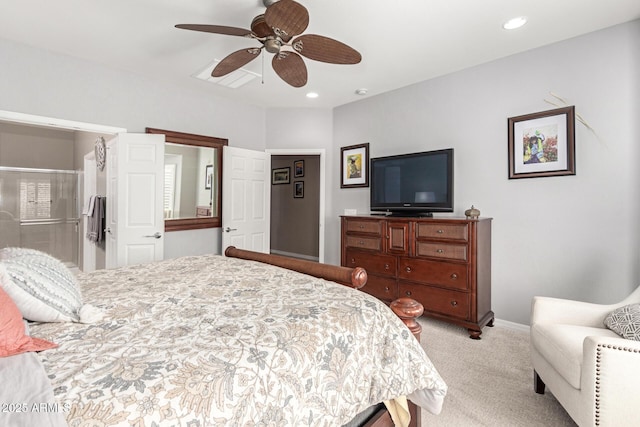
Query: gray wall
<point>573,236</point>
<point>295,221</point>
<point>34,147</point>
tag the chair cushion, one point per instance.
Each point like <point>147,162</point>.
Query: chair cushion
<point>625,321</point>
<point>561,346</point>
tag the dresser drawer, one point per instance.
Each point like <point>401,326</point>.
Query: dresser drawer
<point>363,226</point>
<point>373,243</point>
<point>448,274</point>
<point>373,263</point>
<point>435,300</point>
<point>441,250</point>
<point>382,288</point>
<point>442,231</point>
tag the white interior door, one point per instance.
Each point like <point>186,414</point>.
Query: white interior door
<point>245,199</point>
<point>135,183</point>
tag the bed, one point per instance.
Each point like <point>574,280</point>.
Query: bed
<point>245,339</point>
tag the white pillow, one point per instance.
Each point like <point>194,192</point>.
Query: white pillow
<point>42,287</point>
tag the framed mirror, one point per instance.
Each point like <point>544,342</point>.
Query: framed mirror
<point>193,180</point>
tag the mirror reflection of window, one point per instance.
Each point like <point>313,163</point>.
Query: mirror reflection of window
<point>189,181</point>
<point>170,198</point>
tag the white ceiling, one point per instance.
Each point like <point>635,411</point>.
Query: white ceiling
<point>401,41</point>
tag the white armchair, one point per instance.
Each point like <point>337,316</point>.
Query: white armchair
<point>592,371</point>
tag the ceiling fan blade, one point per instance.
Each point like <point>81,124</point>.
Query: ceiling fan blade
<point>235,60</point>
<point>287,18</point>
<point>320,48</point>
<point>290,67</point>
<point>259,27</point>
<point>217,29</point>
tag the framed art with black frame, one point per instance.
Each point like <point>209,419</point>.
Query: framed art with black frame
<point>280,176</point>
<point>354,166</point>
<point>208,177</point>
<point>298,169</point>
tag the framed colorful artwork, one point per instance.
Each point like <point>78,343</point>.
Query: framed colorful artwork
<point>298,169</point>
<point>542,144</point>
<point>354,166</point>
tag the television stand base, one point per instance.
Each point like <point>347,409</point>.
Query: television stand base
<point>405,214</point>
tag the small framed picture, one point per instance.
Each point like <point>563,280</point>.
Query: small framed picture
<point>298,169</point>
<point>298,189</point>
<point>208,177</point>
<point>280,176</point>
<point>354,166</point>
<point>542,144</point>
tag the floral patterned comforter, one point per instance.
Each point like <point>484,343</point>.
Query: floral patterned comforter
<point>209,340</point>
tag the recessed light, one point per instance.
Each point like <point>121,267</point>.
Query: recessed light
<point>514,23</point>
<point>312,95</point>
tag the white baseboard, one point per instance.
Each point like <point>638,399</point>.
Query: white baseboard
<point>294,255</point>
<point>511,325</point>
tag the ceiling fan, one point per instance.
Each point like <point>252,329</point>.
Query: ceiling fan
<point>275,29</point>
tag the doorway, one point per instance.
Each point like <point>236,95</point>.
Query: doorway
<point>59,145</point>
<point>297,203</point>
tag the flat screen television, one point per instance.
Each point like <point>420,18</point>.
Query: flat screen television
<point>415,184</point>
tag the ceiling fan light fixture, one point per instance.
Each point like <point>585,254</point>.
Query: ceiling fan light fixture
<point>514,23</point>
<point>272,45</point>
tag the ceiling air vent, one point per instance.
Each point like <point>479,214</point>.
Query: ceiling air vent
<point>233,80</point>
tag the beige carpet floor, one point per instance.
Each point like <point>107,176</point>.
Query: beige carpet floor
<point>490,380</point>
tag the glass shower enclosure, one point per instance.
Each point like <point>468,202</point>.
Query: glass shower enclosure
<point>39,210</point>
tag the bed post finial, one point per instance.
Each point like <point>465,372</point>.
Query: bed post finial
<point>408,310</point>
<point>358,277</point>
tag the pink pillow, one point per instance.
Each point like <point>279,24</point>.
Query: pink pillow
<point>13,339</point>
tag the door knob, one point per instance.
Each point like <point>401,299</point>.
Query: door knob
<point>155,235</point>
<point>230,229</point>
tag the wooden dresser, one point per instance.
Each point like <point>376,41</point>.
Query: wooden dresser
<point>444,263</point>
<point>202,211</point>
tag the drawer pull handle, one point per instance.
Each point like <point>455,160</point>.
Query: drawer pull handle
<point>454,276</point>
<point>361,243</point>
<point>386,289</point>
<point>386,266</point>
<point>440,251</point>
<point>408,293</point>
<point>407,269</point>
<point>454,303</point>
<point>353,261</point>
<point>361,226</point>
<point>440,231</point>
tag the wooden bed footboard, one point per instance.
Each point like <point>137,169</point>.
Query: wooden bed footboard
<point>407,309</point>
<point>353,277</point>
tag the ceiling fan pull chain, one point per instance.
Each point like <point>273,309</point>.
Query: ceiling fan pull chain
<point>262,74</point>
